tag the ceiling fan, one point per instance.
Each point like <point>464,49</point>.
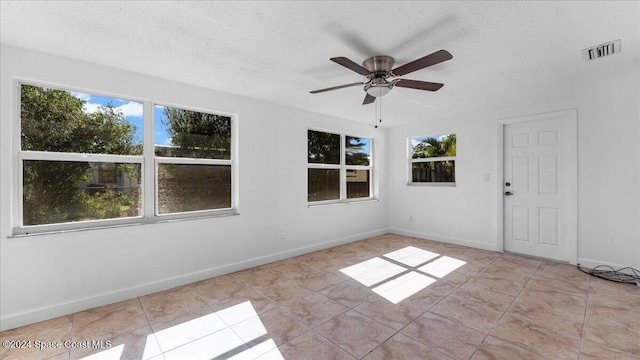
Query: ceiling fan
<point>378,70</point>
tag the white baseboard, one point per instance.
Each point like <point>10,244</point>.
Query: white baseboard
<point>446,239</point>
<point>12,321</point>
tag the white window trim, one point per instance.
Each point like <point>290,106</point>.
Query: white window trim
<point>148,169</point>
<point>196,161</point>
<point>343,167</point>
<point>412,161</point>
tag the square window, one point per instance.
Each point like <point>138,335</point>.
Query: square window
<point>432,159</point>
<point>323,148</point>
<point>324,184</point>
<point>339,167</point>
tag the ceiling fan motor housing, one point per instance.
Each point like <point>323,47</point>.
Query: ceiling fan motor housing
<point>380,65</point>
<point>377,69</point>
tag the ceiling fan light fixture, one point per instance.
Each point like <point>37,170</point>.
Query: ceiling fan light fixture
<point>378,91</point>
<point>379,69</point>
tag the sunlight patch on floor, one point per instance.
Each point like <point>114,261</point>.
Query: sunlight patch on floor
<point>185,332</point>
<point>114,353</point>
<point>411,256</point>
<point>395,282</point>
<point>225,343</point>
<point>441,267</point>
<point>373,271</point>
<point>237,313</point>
<point>403,287</point>
<point>235,333</point>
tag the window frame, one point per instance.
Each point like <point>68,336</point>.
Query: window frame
<point>342,167</point>
<point>194,161</point>
<point>147,160</point>
<point>412,161</point>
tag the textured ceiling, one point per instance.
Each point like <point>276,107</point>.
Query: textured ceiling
<point>504,53</point>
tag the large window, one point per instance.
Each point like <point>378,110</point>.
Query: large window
<point>339,167</point>
<point>432,159</point>
<point>83,163</point>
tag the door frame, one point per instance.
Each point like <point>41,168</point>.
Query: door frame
<point>571,117</point>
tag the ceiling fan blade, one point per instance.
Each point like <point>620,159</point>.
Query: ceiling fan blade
<point>420,85</point>
<point>431,59</point>
<point>368,99</point>
<point>351,65</point>
<point>336,87</point>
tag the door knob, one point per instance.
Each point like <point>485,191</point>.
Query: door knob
<point>508,193</point>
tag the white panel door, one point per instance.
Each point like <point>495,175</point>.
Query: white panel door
<point>536,188</point>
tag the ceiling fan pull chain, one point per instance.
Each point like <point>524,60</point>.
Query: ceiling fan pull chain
<point>375,115</point>
<point>378,69</point>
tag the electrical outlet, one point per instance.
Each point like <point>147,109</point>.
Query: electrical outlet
<point>283,234</point>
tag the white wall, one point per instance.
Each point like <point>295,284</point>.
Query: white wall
<point>50,275</point>
<point>460,214</point>
<point>608,174</point>
<point>45,276</point>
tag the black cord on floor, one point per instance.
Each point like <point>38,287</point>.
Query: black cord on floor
<point>624,275</point>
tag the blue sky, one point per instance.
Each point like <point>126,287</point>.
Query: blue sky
<point>132,110</point>
<point>416,141</point>
<point>366,145</point>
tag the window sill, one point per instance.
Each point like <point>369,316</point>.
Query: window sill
<point>50,230</point>
<point>341,202</point>
<point>452,184</point>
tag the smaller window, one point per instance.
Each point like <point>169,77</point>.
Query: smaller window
<point>339,167</point>
<point>323,148</point>
<point>433,159</point>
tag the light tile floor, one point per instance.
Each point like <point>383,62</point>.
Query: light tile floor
<point>422,300</point>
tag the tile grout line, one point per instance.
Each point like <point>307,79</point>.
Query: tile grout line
<point>315,326</point>
<point>354,309</point>
<point>537,270</point>
<point>408,269</point>
<point>73,321</point>
<point>434,304</point>
<point>198,338</point>
<point>584,319</point>
<point>144,311</point>
<point>377,346</point>
<point>507,309</point>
